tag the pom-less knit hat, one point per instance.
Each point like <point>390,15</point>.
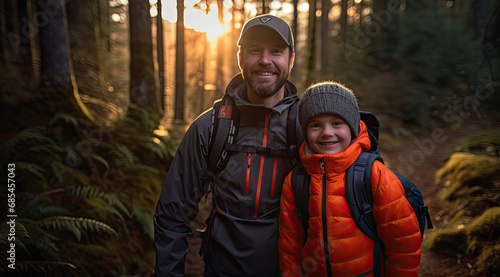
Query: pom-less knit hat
<point>329,98</point>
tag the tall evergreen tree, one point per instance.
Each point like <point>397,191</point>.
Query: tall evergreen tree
<point>180,69</point>
<point>143,92</point>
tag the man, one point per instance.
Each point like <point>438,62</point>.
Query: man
<point>241,235</point>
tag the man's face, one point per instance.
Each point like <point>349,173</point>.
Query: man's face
<point>265,61</point>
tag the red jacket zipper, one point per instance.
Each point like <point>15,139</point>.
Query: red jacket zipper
<point>262,157</point>
<point>249,160</point>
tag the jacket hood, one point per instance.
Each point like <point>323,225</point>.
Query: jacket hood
<point>337,163</point>
<point>237,89</point>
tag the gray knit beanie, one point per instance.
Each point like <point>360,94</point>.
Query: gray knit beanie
<point>329,98</point>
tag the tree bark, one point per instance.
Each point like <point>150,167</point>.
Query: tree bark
<point>311,66</point>
<point>54,51</point>
<point>325,7</point>
<point>143,91</point>
<point>56,62</point>
<point>295,73</point>
<point>161,56</point>
<point>180,70</point>
<point>220,52</point>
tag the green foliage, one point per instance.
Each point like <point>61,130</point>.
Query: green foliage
<point>445,239</point>
<point>85,193</point>
<point>483,230</point>
<point>488,261</point>
<point>76,225</point>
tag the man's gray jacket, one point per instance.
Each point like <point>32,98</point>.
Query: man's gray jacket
<point>242,231</point>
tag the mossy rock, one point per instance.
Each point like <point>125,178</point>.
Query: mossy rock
<point>488,263</point>
<point>484,231</point>
<point>446,239</point>
<point>485,144</point>
<point>464,171</point>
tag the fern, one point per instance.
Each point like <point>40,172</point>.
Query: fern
<point>144,218</point>
<point>37,207</point>
<point>83,191</point>
<point>42,266</point>
<point>76,225</point>
<point>100,159</point>
<point>123,154</point>
<point>77,175</point>
<point>40,240</point>
<point>32,168</point>
<point>64,116</point>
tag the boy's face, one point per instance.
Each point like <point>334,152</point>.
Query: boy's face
<point>328,134</point>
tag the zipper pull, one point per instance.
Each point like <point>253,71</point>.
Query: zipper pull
<point>322,165</point>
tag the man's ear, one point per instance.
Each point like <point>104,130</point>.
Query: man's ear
<point>292,61</point>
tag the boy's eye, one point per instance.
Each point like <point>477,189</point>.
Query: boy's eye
<point>314,125</point>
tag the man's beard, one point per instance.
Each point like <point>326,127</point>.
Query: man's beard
<point>266,90</point>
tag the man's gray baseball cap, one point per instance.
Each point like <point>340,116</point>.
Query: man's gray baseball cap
<point>273,22</point>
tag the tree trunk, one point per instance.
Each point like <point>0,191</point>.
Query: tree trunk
<point>161,57</point>
<point>180,70</point>
<point>34,42</point>
<point>54,50</point>
<point>325,7</point>
<point>143,91</point>
<point>343,23</point>
<point>56,64</point>
<point>219,83</point>
<point>3,31</point>
<point>311,66</point>
<point>265,10</point>
<point>295,72</point>
<point>95,10</point>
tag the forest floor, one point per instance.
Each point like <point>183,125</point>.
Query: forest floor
<point>442,263</point>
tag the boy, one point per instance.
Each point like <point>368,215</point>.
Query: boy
<point>334,245</point>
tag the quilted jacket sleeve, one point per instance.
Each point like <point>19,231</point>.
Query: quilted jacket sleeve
<point>292,234</point>
<point>397,223</point>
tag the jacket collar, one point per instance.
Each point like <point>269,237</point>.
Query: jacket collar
<point>338,163</point>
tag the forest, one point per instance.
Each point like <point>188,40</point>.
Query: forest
<point>96,96</point>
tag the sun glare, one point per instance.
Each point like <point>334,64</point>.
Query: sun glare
<point>198,16</point>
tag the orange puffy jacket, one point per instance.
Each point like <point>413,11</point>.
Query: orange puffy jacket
<point>332,231</point>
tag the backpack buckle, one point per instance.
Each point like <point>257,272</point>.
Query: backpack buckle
<point>366,208</point>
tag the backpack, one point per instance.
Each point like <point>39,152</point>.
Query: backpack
<point>358,192</point>
<point>223,132</point>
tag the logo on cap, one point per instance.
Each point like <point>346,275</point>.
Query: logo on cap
<point>265,19</point>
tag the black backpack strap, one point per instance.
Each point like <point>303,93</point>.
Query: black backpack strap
<point>293,133</point>
<point>269,151</point>
<point>358,193</point>
<point>360,200</point>
<point>300,180</point>
<point>224,128</point>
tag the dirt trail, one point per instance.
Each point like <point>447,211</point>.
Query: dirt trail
<point>418,159</point>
